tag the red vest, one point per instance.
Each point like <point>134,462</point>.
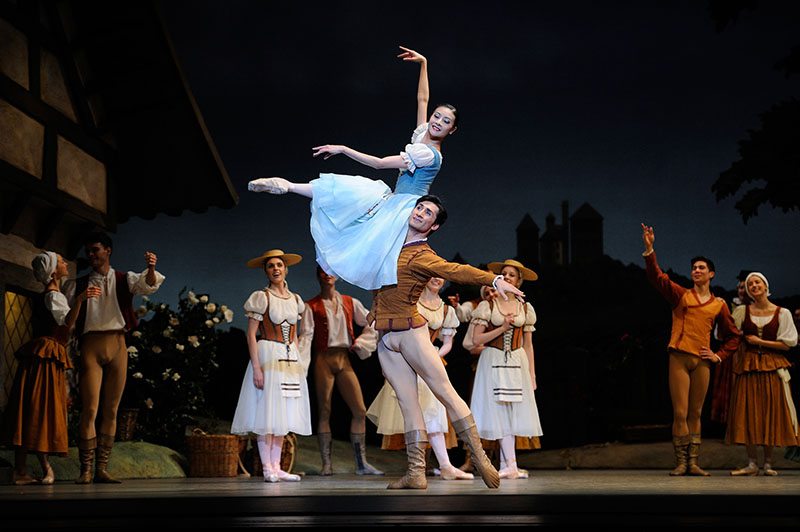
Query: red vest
<point>124,300</point>
<point>321,330</point>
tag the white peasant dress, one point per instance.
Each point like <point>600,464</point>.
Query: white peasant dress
<point>385,409</point>
<point>496,413</point>
<point>282,406</point>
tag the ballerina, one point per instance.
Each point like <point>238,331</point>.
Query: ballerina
<point>359,224</point>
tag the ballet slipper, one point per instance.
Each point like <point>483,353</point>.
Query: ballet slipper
<point>271,185</point>
<point>750,471</point>
<point>23,479</point>
<point>769,472</point>
<point>449,472</point>
<point>510,473</point>
<point>523,473</point>
<point>269,473</point>
<point>287,477</point>
<point>49,477</point>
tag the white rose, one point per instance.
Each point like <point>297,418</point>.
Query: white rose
<point>228,313</point>
<point>141,311</point>
<point>209,323</point>
<point>179,347</point>
<point>204,299</point>
<point>173,321</point>
<point>148,402</point>
<point>137,375</point>
<point>132,350</point>
<point>137,334</point>
<point>163,306</point>
<point>145,298</point>
<point>215,319</point>
<point>193,341</point>
<point>167,332</point>
<point>193,298</point>
<point>223,308</point>
<point>156,349</point>
<point>211,308</point>
<point>176,376</point>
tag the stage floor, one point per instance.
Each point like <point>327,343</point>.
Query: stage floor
<point>635,497</point>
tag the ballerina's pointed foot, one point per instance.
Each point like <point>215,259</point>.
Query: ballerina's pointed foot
<point>509,473</point>
<point>283,476</point>
<point>272,185</point>
<point>453,473</point>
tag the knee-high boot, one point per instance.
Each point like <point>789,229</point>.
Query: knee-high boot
<point>105,442</point>
<point>324,439</point>
<point>680,444</point>
<point>694,452</point>
<point>468,432</point>
<point>86,449</point>
<point>360,451</point>
<point>416,442</point>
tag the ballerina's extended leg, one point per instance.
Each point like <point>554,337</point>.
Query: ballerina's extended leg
<point>279,185</point>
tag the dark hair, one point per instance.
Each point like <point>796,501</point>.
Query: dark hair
<point>709,262</point>
<point>452,108</point>
<point>441,216</point>
<point>98,236</point>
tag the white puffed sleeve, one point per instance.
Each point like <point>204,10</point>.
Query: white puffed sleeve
<point>256,305</point>
<point>305,335</point>
<point>300,306</point>
<point>417,156</point>
<point>450,323</point>
<point>464,311</point>
<point>419,133</point>
<point>482,314</point>
<point>787,332</point>
<point>530,318</point>
<point>137,282</point>
<point>303,354</point>
<point>56,303</point>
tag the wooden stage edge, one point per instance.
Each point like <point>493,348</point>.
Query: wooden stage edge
<point>612,497</point>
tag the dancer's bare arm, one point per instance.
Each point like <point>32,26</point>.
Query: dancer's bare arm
<point>423,91</point>
<point>390,161</point>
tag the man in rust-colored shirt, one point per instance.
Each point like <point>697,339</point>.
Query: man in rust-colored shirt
<point>405,349</point>
<point>695,312</point>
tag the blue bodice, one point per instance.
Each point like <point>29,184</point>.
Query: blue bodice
<point>419,182</point>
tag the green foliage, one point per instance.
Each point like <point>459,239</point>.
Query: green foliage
<point>171,363</point>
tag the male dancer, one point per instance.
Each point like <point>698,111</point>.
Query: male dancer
<point>327,331</point>
<point>405,349</point>
<point>694,313</point>
<point>101,326</point>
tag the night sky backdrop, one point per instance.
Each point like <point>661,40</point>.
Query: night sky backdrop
<point>633,107</point>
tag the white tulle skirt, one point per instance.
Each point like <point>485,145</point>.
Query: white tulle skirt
<point>496,419</point>
<point>386,414</point>
<point>268,411</point>
<point>359,227</point>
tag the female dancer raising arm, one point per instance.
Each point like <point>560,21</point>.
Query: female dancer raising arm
<point>359,224</point>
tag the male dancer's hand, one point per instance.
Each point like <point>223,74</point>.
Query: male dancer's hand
<point>708,354</point>
<point>150,259</point>
<point>648,237</point>
<point>503,287</point>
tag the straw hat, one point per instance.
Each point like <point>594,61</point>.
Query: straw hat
<point>289,259</point>
<point>526,273</point>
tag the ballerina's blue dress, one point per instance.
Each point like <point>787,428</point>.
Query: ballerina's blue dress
<point>359,225</point>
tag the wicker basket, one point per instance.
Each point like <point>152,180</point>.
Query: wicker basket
<point>126,422</point>
<point>212,455</point>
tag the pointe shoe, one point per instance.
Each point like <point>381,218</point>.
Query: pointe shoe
<point>523,473</point>
<point>271,185</point>
<point>510,473</point>
<point>269,473</point>
<point>49,477</point>
<point>453,473</point>
<point>746,471</point>
<point>287,477</point>
<point>22,480</point>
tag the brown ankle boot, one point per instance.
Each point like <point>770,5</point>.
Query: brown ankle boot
<point>416,443</point>
<point>324,439</point>
<point>680,444</point>
<point>86,456</point>
<point>468,432</point>
<point>104,444</point>
<point>694,452</point>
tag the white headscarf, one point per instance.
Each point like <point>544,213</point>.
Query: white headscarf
<point>44,266</point>
<point>760,276</point>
